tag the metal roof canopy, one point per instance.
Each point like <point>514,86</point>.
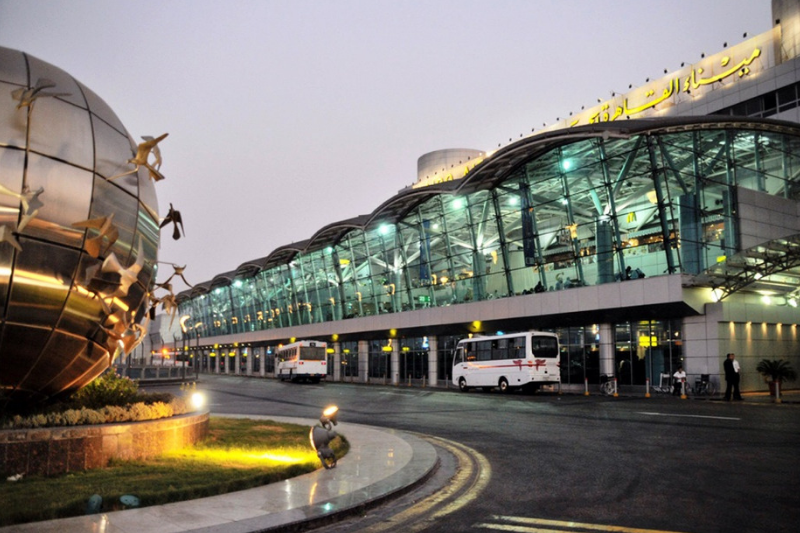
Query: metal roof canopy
<point>772,267</point>
<point>495,169</point>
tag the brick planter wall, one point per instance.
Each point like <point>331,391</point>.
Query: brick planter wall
<point>53,451</point>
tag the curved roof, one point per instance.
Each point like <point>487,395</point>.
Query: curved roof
<point>495,169</point>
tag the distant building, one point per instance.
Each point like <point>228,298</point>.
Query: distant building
<point>664,224</point>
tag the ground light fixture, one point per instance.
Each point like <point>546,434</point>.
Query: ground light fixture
<point>197,399</point>
<point>322,435</point>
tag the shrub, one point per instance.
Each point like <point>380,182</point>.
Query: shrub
<point>108,389</point>
<point>90,416</point>
<point>140,411</point>
<point>102,401</point>
<point>114,413</point>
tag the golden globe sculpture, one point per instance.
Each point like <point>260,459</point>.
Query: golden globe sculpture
<point>79,231</point>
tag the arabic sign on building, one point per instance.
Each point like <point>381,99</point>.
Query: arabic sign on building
<point>689,85</point>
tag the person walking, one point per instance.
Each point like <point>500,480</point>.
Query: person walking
<point>731,367</point>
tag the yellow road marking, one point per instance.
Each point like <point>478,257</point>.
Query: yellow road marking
<point>458,482</point>
<point>519,529</point>
<point>562,524</point>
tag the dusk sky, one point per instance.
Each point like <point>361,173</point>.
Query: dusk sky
<point>286,116</point>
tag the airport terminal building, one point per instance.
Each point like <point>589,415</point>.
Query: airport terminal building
<point>659,228</point>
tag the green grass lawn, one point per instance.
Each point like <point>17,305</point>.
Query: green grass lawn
<point>237,454</point>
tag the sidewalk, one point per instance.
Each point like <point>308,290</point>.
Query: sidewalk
<point>380,463</point>
<point>790,396</point>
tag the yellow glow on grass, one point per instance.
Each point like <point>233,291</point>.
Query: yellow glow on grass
<point>248,458</point>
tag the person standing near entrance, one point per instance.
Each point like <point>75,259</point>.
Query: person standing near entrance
<point>731,367</point>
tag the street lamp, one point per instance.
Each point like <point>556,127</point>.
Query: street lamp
<point>322,435</point>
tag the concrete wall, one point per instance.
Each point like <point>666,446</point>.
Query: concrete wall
<point>763,217</point>
<point>54,451</point>
<point>748,327</point>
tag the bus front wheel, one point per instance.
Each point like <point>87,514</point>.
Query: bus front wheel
<point>503,385</point>
<point>462,385</point>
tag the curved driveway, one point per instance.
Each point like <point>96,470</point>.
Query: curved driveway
<point>575,463</point>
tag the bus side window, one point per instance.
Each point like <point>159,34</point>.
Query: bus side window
<point>518,348</point>
<point>459,357</point>
<point>469,351</point>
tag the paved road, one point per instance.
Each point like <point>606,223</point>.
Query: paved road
<point>572,463</point>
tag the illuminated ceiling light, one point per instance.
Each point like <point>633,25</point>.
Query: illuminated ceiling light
<point>758,275</point>
<point>566,164</point>
<point>766,299</point>
<point>513,200</point>
<point>458,203</point>
<point>329,250</point>
<point>652,197</point>
<point>384,229</point>
<point>393,332</point>
<point>792,302</point>
<point>237,283</point>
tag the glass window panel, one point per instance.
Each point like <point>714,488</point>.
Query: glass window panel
<point>15,68</point>
<point>66,196</point>
<point>83,311</point>
<point>113,152</point>
<point>11,168</point>
<point>64,82</point>
<point>13,121</point>
<point>98,107</point>
<point>81,361</point>
<point>6,263</point>
<point>109,199</point>
<point>21,347</point>
<point>147,233</point>
<point>41,282</point>
<point>62,131</point>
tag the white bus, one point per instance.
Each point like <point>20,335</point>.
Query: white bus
<point>303,361</point>
<point>507,361</point>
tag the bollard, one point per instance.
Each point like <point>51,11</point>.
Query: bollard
<point>777,392</point>
<point>423,381</point>
<point>616,394</point>
<point>683,389</point>
<point>586,386</point>
<point>409,380</point>
<point>647,388</point>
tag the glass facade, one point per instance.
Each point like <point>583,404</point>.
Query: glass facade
<point>585,207</point>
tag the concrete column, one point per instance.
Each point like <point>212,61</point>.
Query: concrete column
<point>394,363</point>
<point>433,362</point>
<point>262,361</point>
<point>363,361</point>
<point>237,360</point>
<point>337,361</point>
<point>218,358</point>
<point>607,349</point>
<point>249,361</point>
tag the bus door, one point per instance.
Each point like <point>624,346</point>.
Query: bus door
<point>460,365</point>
